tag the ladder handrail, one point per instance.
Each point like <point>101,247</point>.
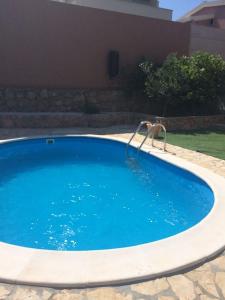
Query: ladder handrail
<point>151,129</point>
<point>148,135</point>
<point>136,132</point>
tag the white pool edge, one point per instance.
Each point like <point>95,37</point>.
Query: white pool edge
<point>119,266</point>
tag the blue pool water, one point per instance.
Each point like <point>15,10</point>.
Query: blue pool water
<point>82,193</point>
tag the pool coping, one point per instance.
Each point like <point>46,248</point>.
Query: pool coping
<point>118,266</point>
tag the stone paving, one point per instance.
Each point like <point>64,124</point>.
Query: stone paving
<point>205,282</point>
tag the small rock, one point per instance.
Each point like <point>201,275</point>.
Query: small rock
<point>53,93</point>
<point>10,103</point>
<point>151,288</point>
<point>19,95</point>
<point>220,281</point>
<point>31,95</point>
<point>69,94</point>
<point>182,287</point>
<point>44,94</point>
<point>59,102</point>
<point>9,94</point>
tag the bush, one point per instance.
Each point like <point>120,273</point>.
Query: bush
<point>186,85</point>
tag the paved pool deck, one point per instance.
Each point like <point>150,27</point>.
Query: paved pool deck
<point>206,281</point>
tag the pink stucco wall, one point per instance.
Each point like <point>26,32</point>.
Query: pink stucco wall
<point>50,44</point>
<point>207,39</point>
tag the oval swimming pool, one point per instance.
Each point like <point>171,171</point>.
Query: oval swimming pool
<point>82,193</point>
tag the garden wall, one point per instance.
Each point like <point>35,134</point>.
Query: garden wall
<point>66,100</point>
<point>209,39</point>
<point>192,122</point>
<point>57,45</point>
<point>69,120</point>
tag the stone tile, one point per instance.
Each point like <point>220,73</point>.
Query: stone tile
<point>208,283</point>
<point>182,287</point>
<point>46,294</point>
<point>219,262</point>
<point>4,292</point>
<point>198,291</point>
<point>166,298</point>
<point>205,279</point>
<point>67,295</point>
<point>220,281</point>
<point>195,274</point>
<point>107,294</point>
<point>151,288</point>
<point>205,267</point>
<point>25,294</point>
<point>205,297</point>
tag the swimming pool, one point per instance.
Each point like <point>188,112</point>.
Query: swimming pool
<point>85,194</point>
<point>76,211</point>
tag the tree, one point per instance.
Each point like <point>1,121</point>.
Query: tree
<point>186,85</point>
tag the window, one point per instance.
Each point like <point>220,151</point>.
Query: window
<point>211,22</point>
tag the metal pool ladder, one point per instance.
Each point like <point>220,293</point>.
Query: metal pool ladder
<point>151,131</point>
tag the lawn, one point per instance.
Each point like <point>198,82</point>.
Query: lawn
<point>210,142</point>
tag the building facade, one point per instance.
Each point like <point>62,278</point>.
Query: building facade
<point>210,14</point>
<point>144,8</point>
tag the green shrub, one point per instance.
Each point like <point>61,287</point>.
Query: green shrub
<point>186,85</point>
